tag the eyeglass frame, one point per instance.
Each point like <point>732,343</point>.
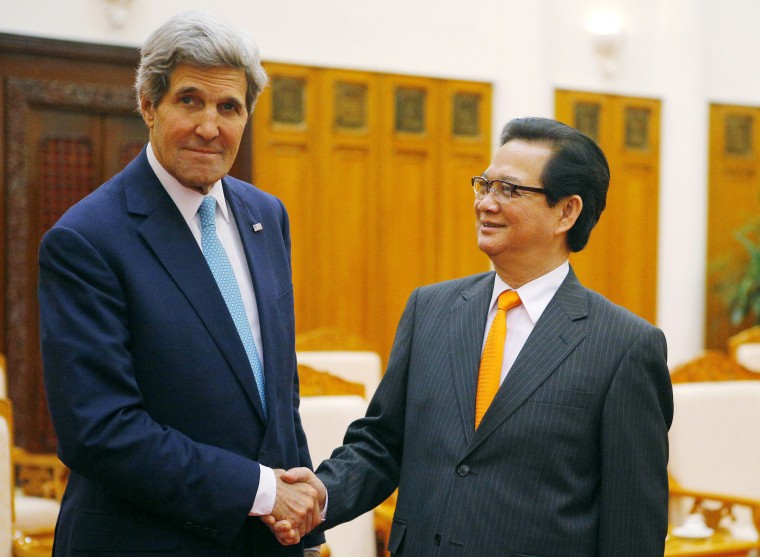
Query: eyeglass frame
<point>512,188</point>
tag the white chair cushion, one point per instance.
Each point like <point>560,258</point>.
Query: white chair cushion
<point>35,513</point>
<point>748,355</point>
<point>325,419</point>
<point>713,440</point>
<point>5,490</point>
<point>714,445</point>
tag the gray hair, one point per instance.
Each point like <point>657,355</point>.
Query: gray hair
<point>201,40</point>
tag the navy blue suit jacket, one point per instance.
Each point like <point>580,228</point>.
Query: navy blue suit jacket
<point>150,391</point>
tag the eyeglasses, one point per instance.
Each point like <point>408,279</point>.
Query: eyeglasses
<point>502,191</point>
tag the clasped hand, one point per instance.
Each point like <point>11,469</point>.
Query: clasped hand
<point>298,505</point>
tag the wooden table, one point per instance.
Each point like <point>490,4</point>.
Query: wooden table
<point>37,544</point>
<point>720,544</point>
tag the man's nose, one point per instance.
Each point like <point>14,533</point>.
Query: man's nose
<point>488,203</point>
<point>208,124</point>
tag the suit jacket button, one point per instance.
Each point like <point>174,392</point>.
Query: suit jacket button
<point>463,470</point>
<point>438,539</point>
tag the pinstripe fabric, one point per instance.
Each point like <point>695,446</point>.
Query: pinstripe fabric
<point>570,460</point>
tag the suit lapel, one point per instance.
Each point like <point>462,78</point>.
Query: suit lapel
<point>466,331</point>
<point>554,337</point>
<point>265,286</point>
<point>166,233</point>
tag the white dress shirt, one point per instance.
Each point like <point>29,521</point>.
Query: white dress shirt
<point>535,296</point>
<point>188,201</point>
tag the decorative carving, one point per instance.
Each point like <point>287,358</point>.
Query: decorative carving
<point>40,475</point>
<point>129,151</point>
<point>410,110</point>
<point>350,106</point>
<point>747,336</point>
<point>637,128</point>
<point>288,101</point>
<point>330,338</point>
<point>738,129</point>
<point>322,383</point>
<point>24,95</point>
<point>466,114</point>
<point>711,366</point>
<point>66,172</point>
<point>586,119</point>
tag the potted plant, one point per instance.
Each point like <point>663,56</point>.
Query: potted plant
<point>743,293</point>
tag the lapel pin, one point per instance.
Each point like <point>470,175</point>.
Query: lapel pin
<point>257,227</point>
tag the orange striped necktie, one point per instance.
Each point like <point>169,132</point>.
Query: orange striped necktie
<point>489,376</point>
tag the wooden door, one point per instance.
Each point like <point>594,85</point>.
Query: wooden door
<point>374,170</point>
<point>465,152</point>
<point>285,164</point>
<point>733,202</point>
<point>345,201</point>
<point>620,260</point>
<point>411,188</point>
<point>63,139</point>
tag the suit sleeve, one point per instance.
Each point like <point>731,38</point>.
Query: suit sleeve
<point>636,417</point>
<point>104,431</point>
<point>364,471</point>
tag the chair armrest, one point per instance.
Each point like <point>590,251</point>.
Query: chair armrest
<point>384,520</point>
<point>727,502</point>
<point>40,474</point>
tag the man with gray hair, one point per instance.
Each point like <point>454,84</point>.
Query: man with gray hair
<point>167,327</point>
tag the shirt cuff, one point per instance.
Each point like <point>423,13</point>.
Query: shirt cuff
<point>265,494</point>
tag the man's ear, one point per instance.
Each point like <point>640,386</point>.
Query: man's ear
<point>571,207</point>
<point>148,111</point>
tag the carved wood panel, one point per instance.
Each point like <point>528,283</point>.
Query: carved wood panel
<point>57,138</point>
<point>627,129</point>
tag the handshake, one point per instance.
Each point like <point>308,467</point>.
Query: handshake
<point>298,505</point>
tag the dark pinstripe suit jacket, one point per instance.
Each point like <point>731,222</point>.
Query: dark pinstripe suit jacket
<point>569,460</point>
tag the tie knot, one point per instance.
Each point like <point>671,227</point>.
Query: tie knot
<point>207,212</point>
<point>508,299</point>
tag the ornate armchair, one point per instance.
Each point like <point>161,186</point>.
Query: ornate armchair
<point>38,482</point>
<point>744,348</point>
<point>348,356</point>
<point>6,478</point>
<point>714,453</point>
<point>328,405</point>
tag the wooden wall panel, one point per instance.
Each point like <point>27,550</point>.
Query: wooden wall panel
<point>345,228</point>
<point>466,152</point>
<point>285,161</point>
<point>592,114</point>
<point>410,200</point>
<point>733,201</point>
<point>389,205</point>
<point>633,205</point>
<point>620,260</point>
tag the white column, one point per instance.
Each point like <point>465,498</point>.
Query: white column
<point>680,31</point>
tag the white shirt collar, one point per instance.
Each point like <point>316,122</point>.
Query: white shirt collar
<point>187,201</point>
<point>536,294</point>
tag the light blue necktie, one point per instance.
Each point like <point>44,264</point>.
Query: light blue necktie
<point>220,266</point>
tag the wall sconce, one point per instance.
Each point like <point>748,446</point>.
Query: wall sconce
<point>606,30</point>
<point>117,12</point>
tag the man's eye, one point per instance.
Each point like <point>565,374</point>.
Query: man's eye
<point>186,100</point>
<point>229,107</point>
<point>503,189</point>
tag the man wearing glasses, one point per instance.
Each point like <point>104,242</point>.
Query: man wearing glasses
<point>521,414</point>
